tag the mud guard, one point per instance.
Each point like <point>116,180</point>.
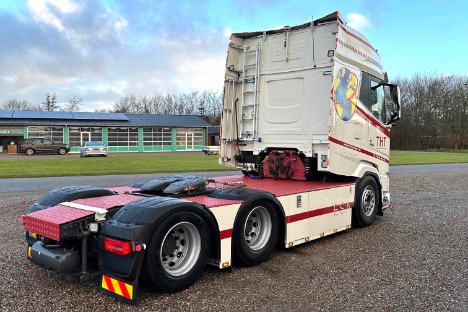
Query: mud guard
<point>67,193</point>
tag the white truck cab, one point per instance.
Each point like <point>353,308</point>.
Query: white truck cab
<point>317,93</point>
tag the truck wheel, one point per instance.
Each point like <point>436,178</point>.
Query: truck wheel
<point>62,151</point>
<point>178,252</point>
<point>29,152</point>
<point>366,203</point>
<point>256,233</point>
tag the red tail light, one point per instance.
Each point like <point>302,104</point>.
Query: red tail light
<point>117,247</point>
<point>87,149</point>
<point>104,149</point>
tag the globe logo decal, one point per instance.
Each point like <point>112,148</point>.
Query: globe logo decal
<point>345,93</point>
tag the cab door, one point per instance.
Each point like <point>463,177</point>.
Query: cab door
<point>377,142</point>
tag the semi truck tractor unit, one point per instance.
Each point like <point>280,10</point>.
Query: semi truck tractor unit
<point>307,113</point>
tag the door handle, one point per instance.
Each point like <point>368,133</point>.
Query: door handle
<point>357,138</point>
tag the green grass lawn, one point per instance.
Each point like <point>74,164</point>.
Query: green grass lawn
<point>114,164</point>
<point>419,158</point>
<point>120,164</point>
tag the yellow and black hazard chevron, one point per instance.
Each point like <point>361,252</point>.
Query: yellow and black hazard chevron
<point>118,289</point>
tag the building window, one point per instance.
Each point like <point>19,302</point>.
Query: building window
<point>53,133</point>
<point>189,138</point>
<point>157,137</point>
<point>78,135</point>
<point>122,137</point>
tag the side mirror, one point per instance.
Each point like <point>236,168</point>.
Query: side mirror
<point>393,104</point>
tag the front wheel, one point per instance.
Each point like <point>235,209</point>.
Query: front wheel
<point>178,252</point>
<point>62,151</point>
<point>256,232</point>
<point>29,152</point>
<point>367,202</point>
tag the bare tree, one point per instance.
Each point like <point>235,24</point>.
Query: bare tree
<point>19,105</point>
<point>434,113</point>
<point>103,110</point>
<point>73,104</point>
<point>122,105</point>
<point>50,103</point>
<point>206,104</point>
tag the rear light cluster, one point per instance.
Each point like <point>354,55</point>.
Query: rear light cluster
<point>117,247</point>
<point>103,149</point>
<point>121,248</point>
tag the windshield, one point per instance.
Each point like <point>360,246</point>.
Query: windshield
<point>94,144</point>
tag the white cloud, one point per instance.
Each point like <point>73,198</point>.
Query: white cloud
<point>200,74</point>
<point>85,49</point>
<point>358,21</point>
<point>79,24</point>
<point>227,32</point>
<point>42,11</point>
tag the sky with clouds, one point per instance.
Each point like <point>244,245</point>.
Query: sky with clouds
<point>101,50</point>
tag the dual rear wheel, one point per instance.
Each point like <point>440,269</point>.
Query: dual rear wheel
<point>178,252</point>
<point>255,233</point>
<point>180,246</point>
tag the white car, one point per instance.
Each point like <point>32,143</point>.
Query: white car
<point>93,148</point>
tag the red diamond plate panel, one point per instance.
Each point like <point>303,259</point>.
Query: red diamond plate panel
<point>47,222</point>
<point>210,202</point>
<point>278,187</point>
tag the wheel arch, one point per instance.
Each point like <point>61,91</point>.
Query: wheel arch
<point>67,193</point>
<point>364,168</point>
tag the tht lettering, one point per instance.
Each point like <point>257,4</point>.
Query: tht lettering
<point>381,141</point>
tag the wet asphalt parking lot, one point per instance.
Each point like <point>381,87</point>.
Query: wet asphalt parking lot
<point>415,258</point>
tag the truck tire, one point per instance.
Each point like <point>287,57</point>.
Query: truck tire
<point>255,232</point>
<point>178,252</point>
<point>366,203</point>
<point>29,151</point>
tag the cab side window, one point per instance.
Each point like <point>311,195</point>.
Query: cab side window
<point>372,96</point>
<point>364,90</point>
